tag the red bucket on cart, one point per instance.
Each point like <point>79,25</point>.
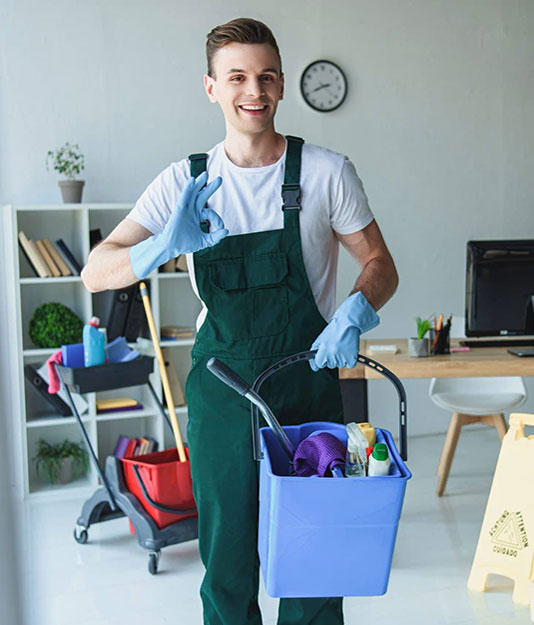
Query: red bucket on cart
<point>167,482</point>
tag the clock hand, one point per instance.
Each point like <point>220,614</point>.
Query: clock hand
<point>321,87</point>
<point>330,93</point>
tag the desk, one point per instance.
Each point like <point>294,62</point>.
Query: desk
<point>478,362</point>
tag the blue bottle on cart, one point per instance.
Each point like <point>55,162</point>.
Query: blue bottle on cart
<point>94,344</point>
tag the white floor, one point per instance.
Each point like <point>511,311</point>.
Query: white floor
<point>106,582</point>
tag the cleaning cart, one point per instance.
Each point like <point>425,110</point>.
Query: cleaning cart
<point>321,537</point>
<point>144,501</point>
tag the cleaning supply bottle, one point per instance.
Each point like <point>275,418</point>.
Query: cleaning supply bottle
<point>355,460</point>
<point>94,344</point>
<point>369,432</point>
<point>379,460</point>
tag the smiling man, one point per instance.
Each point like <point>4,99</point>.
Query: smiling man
<point>264,269</point>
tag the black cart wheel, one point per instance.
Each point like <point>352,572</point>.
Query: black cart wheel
<point>153,561</point>
<point>80,535</point>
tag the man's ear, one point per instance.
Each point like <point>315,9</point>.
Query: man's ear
<point>282,87</point>
<point>209,84</point>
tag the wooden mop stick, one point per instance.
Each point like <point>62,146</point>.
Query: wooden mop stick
<point>163,372</point>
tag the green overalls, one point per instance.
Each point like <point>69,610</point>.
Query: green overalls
<point>260,309</point>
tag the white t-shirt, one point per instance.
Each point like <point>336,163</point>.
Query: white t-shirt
<point>249,200</point>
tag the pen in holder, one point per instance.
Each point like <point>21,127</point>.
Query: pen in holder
<point>439,340</point>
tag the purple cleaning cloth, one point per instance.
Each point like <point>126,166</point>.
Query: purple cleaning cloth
<point>318,454</point>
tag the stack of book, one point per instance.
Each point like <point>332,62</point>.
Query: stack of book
<point>49,260</point>
<point>127,447</point>
<point>117,404</point>
<point>177,332</point>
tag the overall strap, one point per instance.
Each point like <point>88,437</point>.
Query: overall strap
<point>198,163</point>
<point>291,187</point>
<point>197,167</point>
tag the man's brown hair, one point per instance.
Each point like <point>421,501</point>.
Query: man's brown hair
<point>240,30</point>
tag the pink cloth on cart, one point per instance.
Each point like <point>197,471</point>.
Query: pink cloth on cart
<point>53,379</point>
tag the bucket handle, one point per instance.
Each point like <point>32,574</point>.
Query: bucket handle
<point>308,355</point>
<point>155,504</point>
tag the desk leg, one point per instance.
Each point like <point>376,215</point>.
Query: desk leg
<point>354,396</point>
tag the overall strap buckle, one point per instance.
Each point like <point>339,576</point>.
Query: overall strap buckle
<point>291,196</point>
<point>199,156</point>
<point>295,139</point>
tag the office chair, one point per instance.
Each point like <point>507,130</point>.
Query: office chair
<point>473,400</point>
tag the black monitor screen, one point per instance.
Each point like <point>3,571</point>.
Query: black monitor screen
<point>500,288</point>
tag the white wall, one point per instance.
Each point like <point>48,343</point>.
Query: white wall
<point>439,119</point>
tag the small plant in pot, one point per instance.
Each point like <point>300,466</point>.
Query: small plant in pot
<point>418,347</point>
<point>60,463</point>
<point>54,325</point>
<point>68,161</point>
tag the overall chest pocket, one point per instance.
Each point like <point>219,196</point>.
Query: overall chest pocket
<point>249,295</point>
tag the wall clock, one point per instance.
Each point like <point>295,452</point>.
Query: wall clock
<point>323,86</point>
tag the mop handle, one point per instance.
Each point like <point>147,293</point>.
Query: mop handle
<point>163,372</point>
<point>308,355</point>
<point>236,382</point>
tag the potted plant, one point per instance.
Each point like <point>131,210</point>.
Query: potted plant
<point>60,463</point>
<point>54,325</point>
<point>418,347</point>
<point>69,161</point>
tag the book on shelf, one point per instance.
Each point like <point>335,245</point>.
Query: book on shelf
<point>48,259</point>
<point>131,448</point>
<point>61,264</point>
<point>33,255</point>
<point>152,444</point>
<point>39,383</point>
<point>142,446</point>
<point>117,404</point>
<point>174,381</point>
<point>69,257</point>
<point>177,332</point>
<point>121,446</point>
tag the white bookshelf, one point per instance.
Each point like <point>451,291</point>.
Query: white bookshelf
<point>173,303</point>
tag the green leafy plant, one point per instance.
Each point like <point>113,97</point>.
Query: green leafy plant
<point>49,458</point>
<point>423,326</point>
<point>66,160</point>
<point>54,325</point>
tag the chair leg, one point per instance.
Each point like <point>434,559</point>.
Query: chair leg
<point>447,453</point>
<point>497,421</point>
<point>500,424</point>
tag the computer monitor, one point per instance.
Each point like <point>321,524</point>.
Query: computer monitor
<point>500,288</point>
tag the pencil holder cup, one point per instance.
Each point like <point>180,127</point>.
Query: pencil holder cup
<point>418,348</point>
<point>439,341</point>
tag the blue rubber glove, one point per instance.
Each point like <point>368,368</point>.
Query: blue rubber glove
<point>182,233</point>
<point>339,343</point>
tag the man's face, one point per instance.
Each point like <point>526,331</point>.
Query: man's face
<point>247,85</point>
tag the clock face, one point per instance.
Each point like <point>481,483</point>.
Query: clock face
<point>323,86</point>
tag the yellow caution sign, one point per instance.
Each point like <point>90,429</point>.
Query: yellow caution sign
<point>506,541</point>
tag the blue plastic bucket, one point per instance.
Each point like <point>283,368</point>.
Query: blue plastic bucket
<point>326,537</point>
<point>322,537</point>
